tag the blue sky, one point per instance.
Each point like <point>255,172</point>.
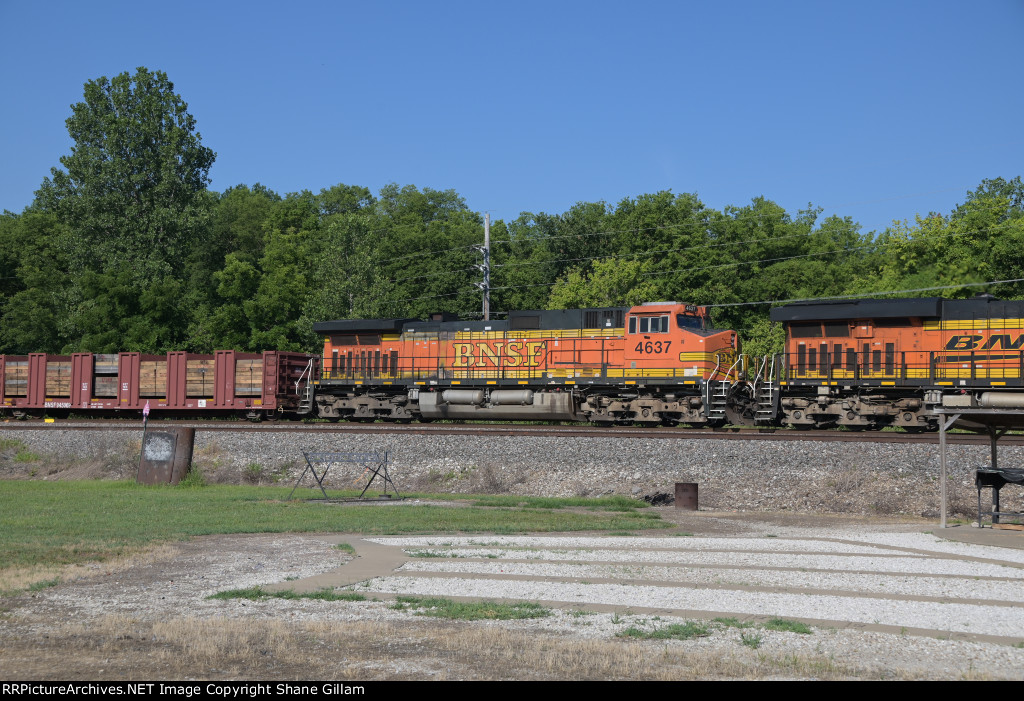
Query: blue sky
<point>873,110</point>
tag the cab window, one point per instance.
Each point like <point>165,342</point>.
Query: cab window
<point>685,321</point>
<point>648,324</point>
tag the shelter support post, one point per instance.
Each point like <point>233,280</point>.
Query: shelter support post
<point>943,425</point>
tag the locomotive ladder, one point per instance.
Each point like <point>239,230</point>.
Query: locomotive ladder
<point>766,393</point>
<point>716,392</point>
<point>305,392</point>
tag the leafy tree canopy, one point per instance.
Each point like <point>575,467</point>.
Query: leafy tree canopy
<point>133,183</point>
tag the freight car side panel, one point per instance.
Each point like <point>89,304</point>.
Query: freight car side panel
<point>178,381</point>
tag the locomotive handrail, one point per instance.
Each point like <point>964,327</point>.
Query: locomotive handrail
<point>308,369</point>
<point>718,364</point>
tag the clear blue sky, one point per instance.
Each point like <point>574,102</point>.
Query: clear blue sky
<point>874,110</point>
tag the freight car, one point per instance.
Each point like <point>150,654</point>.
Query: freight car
<point>655,363</point>
<point>870,363</point>
<point>254,385</point>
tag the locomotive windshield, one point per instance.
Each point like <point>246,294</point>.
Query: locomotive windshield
<point>685,321</point>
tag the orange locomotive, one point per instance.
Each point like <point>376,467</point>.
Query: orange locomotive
<point>656,363</point>
<point>885,362</point>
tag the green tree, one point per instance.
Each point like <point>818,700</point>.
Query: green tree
<point>132,196</point>
<point>133,188</point>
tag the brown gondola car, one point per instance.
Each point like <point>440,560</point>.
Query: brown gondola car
<point>877,362</point>
<point>654,363</point>
<point>183,384</point>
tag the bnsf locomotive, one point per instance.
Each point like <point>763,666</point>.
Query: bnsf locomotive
<point>648,364</point>
<point>859,363</point>
<point>871,363</point>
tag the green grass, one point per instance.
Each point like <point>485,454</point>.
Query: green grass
<point>345,548</point>
<point>57,523</point>
<point>787,626</point>
<point>751,640</point>
<point>608,503</point>
<point>470,610</point>
<point>675,631</point>
<point>733,623</point>
<point>44,584</point>
<point>257,593</point>
<point>695,629</point>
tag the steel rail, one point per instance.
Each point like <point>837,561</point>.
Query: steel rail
<point>483,429</point>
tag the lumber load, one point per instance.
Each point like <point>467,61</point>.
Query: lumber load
<point>153,378</point>
<point>16,378</point>
<point>58,378</point>
<point>249,377</point>
<point>199,378</point>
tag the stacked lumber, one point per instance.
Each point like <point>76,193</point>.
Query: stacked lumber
<point>153,378</point>
<point>16,378</point>
<point>58,378</point>
<point>104,363</point>
<point>199,378</point>
<point>104,367</point>
<point>104,386</point>
<point>249,377</point>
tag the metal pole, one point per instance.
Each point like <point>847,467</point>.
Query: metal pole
<point>943,425</point>
<point>142,449</point>
<point>487,266</point>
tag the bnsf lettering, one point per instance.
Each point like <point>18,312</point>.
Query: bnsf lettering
<point>1003,341</point>
<point>974,342</point>
<point>513,354</point>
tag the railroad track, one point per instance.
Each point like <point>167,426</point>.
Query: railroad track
<point>481,429</point>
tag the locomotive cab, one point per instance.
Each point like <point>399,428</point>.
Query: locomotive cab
<point>676,339</point>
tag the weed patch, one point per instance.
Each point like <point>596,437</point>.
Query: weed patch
<point>787,626</point>
<point>257,593</point>
<point>470,610</point>
<point>751,640</point>
<point>676,631</point>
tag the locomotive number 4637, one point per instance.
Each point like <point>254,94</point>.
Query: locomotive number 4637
<point>653,347</point>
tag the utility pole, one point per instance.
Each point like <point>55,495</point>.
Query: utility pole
<point>485,286</point>
<point>487,266</point>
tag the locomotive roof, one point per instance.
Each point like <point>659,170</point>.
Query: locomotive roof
<point>517,320</point>
<point>360,326</point>
<point>985,307</point>
<point>927,307</point>
<point>980,307</point>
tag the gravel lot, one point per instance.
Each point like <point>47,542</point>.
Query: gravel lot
<point>882,600</point>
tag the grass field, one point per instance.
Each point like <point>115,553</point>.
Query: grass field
<point>47,525</point>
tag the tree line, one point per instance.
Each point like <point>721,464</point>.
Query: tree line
<point>125,248</point>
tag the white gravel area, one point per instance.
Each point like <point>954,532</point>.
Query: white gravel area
<point>882,542</point>
<point>948,588</point>
<point>856,563</point>
<point>645,543</point>
<point>890,631</point>
<point>954,618</point>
